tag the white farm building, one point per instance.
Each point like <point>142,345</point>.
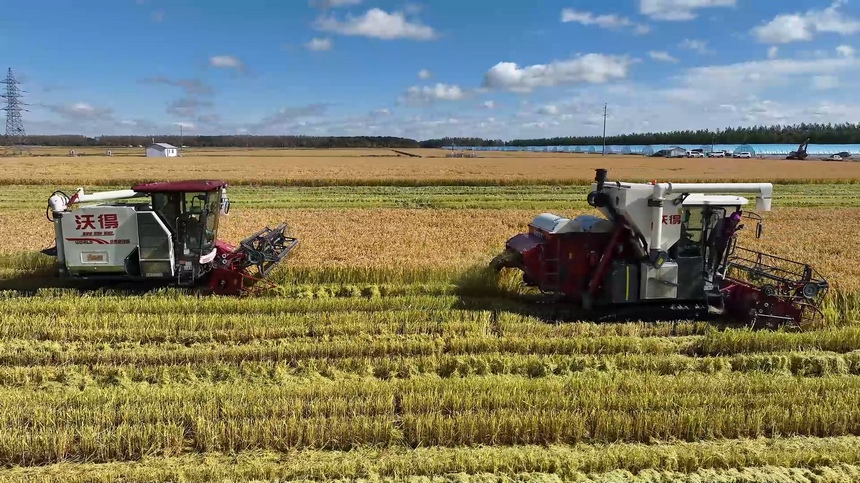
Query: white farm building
<point>163,150</point>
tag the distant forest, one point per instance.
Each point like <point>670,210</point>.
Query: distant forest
<point>846,133</point>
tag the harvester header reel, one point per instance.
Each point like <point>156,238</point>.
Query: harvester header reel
<point>263,250</point>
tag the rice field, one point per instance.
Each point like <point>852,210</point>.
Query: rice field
<point>388,353</point>
<point>374,167</point>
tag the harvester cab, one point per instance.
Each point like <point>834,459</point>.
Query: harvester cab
<point>162,233</point>
<point>665,249</point>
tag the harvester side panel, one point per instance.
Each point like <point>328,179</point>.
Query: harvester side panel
<point>566,263</point>
<point>98,239</point>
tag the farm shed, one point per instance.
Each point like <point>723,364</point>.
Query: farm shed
<point>676,152</point>
<point>163,150</point>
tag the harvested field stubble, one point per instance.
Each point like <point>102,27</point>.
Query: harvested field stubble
<point>749,461</point>
<point>121,423</point>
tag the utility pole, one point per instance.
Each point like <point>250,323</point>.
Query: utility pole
<point>180,136</point>
<point>15,134</point>
<point>604,129</point>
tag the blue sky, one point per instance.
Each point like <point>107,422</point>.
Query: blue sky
<point>426,68</point>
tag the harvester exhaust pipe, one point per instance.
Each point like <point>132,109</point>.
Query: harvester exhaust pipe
<point>600,178</point>
<point>597,198</point>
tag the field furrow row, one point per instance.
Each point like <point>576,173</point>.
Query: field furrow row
<point>568,462</point>
<point>803,364</point>
<point>107,424</point>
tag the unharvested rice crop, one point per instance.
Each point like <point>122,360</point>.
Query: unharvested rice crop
<point>387,353</point>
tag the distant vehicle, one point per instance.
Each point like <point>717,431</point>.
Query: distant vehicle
<point>717,154</point>
<point>833,157</point>
<point>743,154</point>
<point>696,154</point>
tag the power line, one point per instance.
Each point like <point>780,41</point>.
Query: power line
<point>15,134</point>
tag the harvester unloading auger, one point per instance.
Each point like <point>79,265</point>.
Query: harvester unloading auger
<point>169,239</point>
<point>664,250</point>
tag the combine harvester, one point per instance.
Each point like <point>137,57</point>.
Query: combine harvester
<point>658,254</point>
<point>170,239</point>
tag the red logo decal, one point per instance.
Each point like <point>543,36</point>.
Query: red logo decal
<point>108,221</point>
<point>671,219</point>
<point>82,222</point>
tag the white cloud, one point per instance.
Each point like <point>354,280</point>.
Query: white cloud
<point>332,3</point>
<point>699,46</point>
<point>184,125</point>
<point>318,44</point>
<point>662,56</point>
<point>429,94</point>
<point>845,51</point>
<point>676,10</point>
<point>825,82</point>
<point>548,110</point>
<point>424,74</point>
<point>606,21</point>
<point>721,84</point>
<point>80,111</point>
<point>589,68</point>
<point>378,24</point>
<point>489,104</point>
<point>225,62</point>
<point>772,52</point>
<point>801,27</point>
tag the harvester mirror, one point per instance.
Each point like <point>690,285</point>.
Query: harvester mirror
<point>759,228</point>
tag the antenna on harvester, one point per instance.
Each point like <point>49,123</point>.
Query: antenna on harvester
<point>15,134</point>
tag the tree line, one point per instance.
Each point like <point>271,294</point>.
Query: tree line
<point>844,133</point>
<point>228,141</point>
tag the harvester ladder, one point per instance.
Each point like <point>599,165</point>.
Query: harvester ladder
<point>551,270</point>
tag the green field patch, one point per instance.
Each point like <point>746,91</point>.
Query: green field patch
<point>534,196</point>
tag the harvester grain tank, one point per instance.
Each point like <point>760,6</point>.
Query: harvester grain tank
<point>161,234</point>
<point>665,249</point>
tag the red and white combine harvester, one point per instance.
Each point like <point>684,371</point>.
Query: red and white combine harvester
<point>160,234</point>
<point>664,250</point>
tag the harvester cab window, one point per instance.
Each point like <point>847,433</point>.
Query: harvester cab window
<point>213,201</point>
<point>192,222</point>
<point>690,244</point>
<point>167,205</point>
<point>195,202</point>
